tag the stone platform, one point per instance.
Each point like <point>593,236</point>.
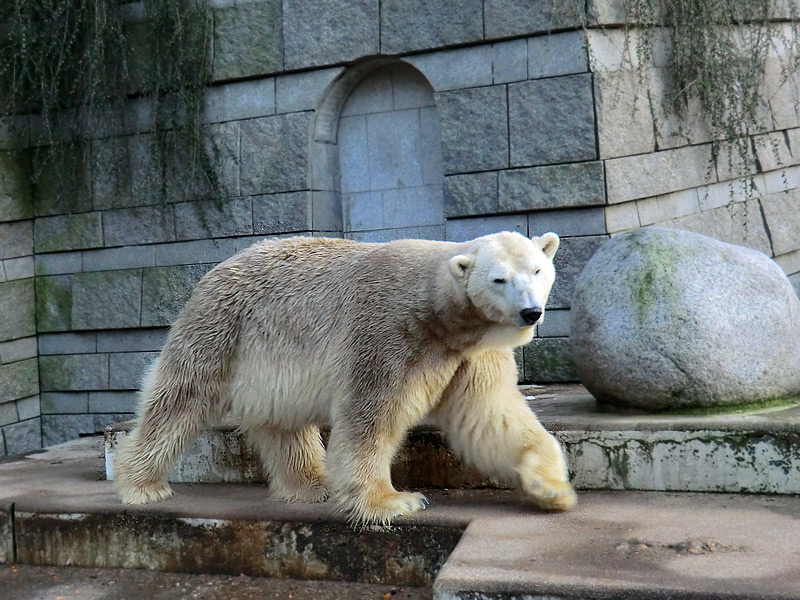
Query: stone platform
<point>56,508</point>
<point>756,451</point>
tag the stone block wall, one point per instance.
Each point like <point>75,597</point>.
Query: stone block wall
<point>20,427</point>
<point>659,168</point>
<point>369,119</point>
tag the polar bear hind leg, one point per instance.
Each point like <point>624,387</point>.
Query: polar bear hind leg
<point>171,415</point>
<point>295,461</point>
<point>489,425</point>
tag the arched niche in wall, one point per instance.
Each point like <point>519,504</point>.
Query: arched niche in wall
<point>376,147</point>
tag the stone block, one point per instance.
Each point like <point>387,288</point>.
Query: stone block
<point>58,264</point>
<point>795,281</point>
<point>413,207</point>
<point>509,18</point>
<point>247,40</point>
<point>571,258</point>
<point>111,176</point>
<point>673,130</point>
<point>568,223</point>
<point>16,239</point>
<point>198,251</point>
<point>557,54</point>
<point>165,290</point>
<point>8,412</point>
<point>19,349</point>
<point>455,69</point>
<point>146,170</point>
<point>67,343</point>
<point>624,118</point>
<point>783,94</point>
<point>62,181</point>
<point>410,88</point>
<point>19,380</point>
<point>126,369</point>
<point>774,150</point>
<point>282,213</point>
<point>57,429</point>
<point>557,186</point>
<point>549,360</point>
<point>203,173</point>
<point>15,188</point>
<point>474,129</point>
<point>325,32</point>
<point>14,132</point>
<point>373,94</point>
<point>56,403</point>
<point>551,121</point>
<point>462,230</point>
<point>68,232</point>
<point>73,372</point>
<point>302,91</point>
<point>393,142</point>
<point>18,268</point>
<point>240,100</point>
<point>106,299</point>
<point>428,232</point>
<point>17,307</point>
<point>141,225</point>
<point>782,180</point>
<point>112,259</point>
<point>363,211</point>
<point>658,173</point>
<point>23,437</point>
<point>213,218</point>
<point>740,223</point>
<point>127,340</point>
<point>509,61</point>
<point>28,408</point>
<point>781,212</point>
<point>408,25</point>
<point>113,402</point>
<point>274,153</point>
<point>621,217</point>
<point>555,324</point>
<point>353,154</point>
<point>326,211</point>
<point>54,303</point>
<point>470,194</point>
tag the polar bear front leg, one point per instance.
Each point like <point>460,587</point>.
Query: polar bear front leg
<point>359,464</point>
<point>489,425</point>
<point>294,460</point>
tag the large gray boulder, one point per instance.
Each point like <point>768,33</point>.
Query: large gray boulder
<point>663,318</point>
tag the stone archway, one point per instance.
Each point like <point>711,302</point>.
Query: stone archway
<point>376,146</point>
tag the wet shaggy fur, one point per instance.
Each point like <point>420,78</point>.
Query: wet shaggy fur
<point>290,335</point>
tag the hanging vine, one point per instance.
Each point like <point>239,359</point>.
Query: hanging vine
<point>74,66</point>
<point>718,56</point>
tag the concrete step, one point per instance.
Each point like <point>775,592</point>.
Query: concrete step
<point>57,509</point>
<point>755,451</point>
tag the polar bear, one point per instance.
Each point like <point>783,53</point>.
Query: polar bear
<point>296,334</point>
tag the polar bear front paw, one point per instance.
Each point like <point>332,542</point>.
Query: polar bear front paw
<point>552,495</point>
<point>144,494</point>
<point>382,508</point>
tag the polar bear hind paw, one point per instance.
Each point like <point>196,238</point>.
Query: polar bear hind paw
<point>145,494</point>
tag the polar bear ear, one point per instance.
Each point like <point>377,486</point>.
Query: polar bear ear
<point>548,243</point>
<point>460,265</point>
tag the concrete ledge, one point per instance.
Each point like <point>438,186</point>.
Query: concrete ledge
<point>56,509</point>
<point>755,452</point>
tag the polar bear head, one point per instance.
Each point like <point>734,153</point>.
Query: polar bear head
<point>508,277</point>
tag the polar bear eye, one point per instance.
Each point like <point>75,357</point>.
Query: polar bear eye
<point>537,271</point>
<point>500,280</point>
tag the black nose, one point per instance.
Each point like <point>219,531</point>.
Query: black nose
<point>530,315</point>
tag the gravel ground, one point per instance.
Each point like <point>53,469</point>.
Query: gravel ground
<point>23,582</point>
